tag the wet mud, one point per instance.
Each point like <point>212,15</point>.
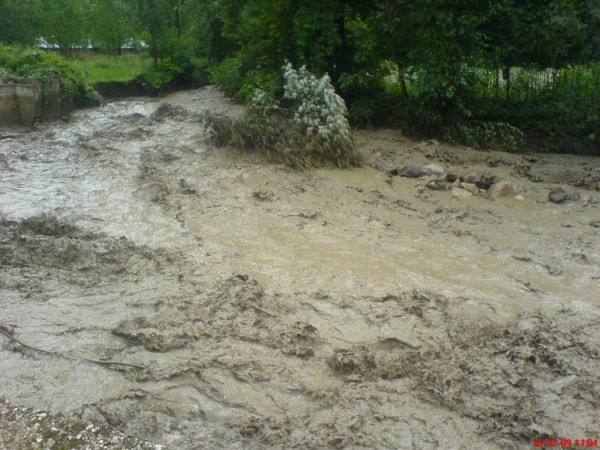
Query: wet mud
<point>197,297</point>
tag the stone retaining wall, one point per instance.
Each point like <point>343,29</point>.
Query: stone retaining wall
<point>24,100</point>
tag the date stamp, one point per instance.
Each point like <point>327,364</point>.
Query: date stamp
<point>564,443</point>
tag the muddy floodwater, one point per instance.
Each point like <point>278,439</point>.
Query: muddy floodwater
<point>197,297</point>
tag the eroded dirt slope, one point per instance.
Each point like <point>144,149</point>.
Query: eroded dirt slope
<point>201,298</point>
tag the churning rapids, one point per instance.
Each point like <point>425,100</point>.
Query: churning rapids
<point>252,306</point>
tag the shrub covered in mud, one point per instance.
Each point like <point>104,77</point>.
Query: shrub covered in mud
<point>173,73</point>
<point>30,62</point>
<point>280,140</point>
<point>311,131</point>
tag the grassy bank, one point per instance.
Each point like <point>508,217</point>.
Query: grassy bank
<point>112,68</point>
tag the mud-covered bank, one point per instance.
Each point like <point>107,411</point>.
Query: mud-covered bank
<point>263,307</point>
<point>110,90</point>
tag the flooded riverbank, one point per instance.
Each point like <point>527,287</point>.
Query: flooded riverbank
<point>264,307</point>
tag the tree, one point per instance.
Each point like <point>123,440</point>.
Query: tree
<point>153,16</point>
<point>64,23</point>
<point>19,20</point>
<point>265,33</point>
<point>589,14</point>
<point>205,25</point>
<point>440,41</point>
<point>111,27</point>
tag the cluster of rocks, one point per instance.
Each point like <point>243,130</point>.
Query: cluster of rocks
<point>410,171</point>
<point>488,187</point>
<point>26,428</point>
<point>559,195</point>
<point>460,185</point>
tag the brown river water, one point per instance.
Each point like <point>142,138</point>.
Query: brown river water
<point>269,308</point>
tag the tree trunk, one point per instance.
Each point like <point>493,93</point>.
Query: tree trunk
<point>402,80</point>
<point>389,18</point>
<point>598,130</point>
<point>153,25</point>
<point>341,60</point>
<point>497,88</point>
<point>506,76</point>
<point>154,47</point>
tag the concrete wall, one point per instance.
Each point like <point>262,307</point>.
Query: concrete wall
<point>22,100</point>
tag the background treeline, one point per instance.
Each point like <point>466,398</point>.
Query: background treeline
<point>473,71</point>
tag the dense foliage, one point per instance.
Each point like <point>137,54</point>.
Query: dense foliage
<point>445,67</point>
<point>311,131</point>
<point>17,63</point>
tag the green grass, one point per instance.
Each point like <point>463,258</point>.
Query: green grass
<point>111,68</point>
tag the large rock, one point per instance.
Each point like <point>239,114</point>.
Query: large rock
<point>440,185</point>
<point>504,189</point>
<point>472,188</point>
<point>410,172</point>
<point>481,181</point>
<point>461,193</point>
<point>390,170</point>
<point>559,195</point>
<point>433,169</point>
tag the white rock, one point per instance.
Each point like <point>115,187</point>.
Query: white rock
<point>504,189</point>
<point>433,169</point>
<point>461,193</point>
<point>470,187</point>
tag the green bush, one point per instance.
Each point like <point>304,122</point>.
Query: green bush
<point>486,135</point>
<point>29,62</point>
<point>229,76</point>
<point>557,104</point>
<point>367,99</point>
<point>377,109</point>
<point>159,76</point>
<point>263,80</point>
<point>171,73</point>
<point>312,131</point>
<point>176,65</point>
<point>372,98</point>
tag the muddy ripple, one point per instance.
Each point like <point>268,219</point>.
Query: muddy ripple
<point>252,306</point>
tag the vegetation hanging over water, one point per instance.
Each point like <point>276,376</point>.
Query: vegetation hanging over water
<point>311,131</point>
<point>476,72</point>
<point>29,62</point>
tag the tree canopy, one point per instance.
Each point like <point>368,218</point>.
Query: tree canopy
<point>437,59</point>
